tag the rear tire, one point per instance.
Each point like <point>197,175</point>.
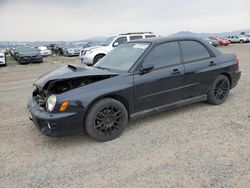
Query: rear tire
<point>106,119</point>
<point>219,90</point>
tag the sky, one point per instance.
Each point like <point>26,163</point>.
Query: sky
<point>23,20</point>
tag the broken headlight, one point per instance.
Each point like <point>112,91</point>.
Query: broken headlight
<point>51,102</point>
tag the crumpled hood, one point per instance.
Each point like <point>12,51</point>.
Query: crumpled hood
<point>69,72</point>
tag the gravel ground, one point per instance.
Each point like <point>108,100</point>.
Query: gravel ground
<point>197,145</point>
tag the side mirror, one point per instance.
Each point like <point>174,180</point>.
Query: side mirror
<point>115,44</point>
<point>146,68</point>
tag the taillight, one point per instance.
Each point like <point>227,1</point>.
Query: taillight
<point>237,61</point>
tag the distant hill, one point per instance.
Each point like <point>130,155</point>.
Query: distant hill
<point>189,33</point>
<point>101,38</point>
<point>95,39</point>
<point>45,43</point>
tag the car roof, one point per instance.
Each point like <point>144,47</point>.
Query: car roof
<point>166,39</point>
<point>158,40</point>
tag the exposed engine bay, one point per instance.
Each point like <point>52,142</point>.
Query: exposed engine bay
<point>60,86</point>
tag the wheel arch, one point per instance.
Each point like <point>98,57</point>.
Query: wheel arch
<point>99,54</point>
<point>229,78</point>
<point>117,97</point>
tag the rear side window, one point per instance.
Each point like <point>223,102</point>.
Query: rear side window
<point>135,37</point>
<point>149,36</point>
<point>193,51</point>
<point>164,55</point>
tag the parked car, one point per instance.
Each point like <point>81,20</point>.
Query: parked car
<point>211,41</point>
<point>71,50</point>
<point>3,59</point>
<point>27,54</point>
<point>87,45</point>
<point>247,34</point>
<point>135,79</point>
<point>58,49</point>
<point>14,48</point>
<point>222,42</point>
<point>237,39</point>
<point>4,50</point>
<point>44,51</point>
<point>92,55</point>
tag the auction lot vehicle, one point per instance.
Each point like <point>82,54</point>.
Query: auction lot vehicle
<point>44,51</point>
<point>26,54</point>
<point>71,50</point>
<point>237,39</point>
<point>222,42</point>
<point>92,55</point>
<point>136,79</point>
<point>212,41</point>
<point>2,58</point>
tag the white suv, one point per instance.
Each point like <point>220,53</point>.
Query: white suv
<point>2,58</point>
<point>93,54</point>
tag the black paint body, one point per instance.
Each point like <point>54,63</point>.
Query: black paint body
<point>141,93</point>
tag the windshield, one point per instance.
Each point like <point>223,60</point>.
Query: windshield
<point>108,41</point>
<point>123,57</point>
<point>71,46</point>
<point>42,48</point>
<point>27,50</point>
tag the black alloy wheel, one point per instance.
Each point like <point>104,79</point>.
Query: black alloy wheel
<point>219,90</point>
<point>106,119</point>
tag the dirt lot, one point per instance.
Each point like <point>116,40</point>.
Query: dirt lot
<point>194,146</point>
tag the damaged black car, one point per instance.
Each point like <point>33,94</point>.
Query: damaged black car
<point>133,80</point>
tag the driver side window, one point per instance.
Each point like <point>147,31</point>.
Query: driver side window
<point>119,41</point>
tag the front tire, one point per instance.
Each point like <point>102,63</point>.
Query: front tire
<point>97,58</point>
<point>106,119</point>
<point>219,91</point>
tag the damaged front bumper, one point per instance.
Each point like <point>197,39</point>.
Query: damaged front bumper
<point>55,124</point>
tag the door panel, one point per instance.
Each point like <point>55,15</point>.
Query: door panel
<point>158,87</point>
<point>199,68</point>
<point>198,77</point>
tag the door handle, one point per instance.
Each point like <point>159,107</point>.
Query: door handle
<point>212,63</point>
<point>176,71</point>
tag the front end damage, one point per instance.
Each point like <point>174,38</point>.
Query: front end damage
<point>60,86</point>
<point>55,122</point>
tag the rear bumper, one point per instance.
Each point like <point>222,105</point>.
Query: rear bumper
<point>55,124</point>
<point>235,78</point>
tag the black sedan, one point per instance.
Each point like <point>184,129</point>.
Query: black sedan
<point>26,54</point>
<point>133,80</point>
